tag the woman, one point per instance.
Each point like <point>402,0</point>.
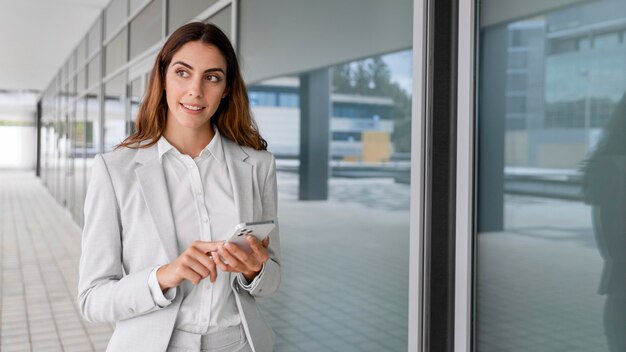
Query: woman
<point>161,206</point>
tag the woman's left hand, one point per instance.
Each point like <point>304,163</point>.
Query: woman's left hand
<point>239,261</point>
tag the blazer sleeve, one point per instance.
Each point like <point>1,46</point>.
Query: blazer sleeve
<point>105,293</point>
<point>269,278</point>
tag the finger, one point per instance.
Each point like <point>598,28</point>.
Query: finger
<point>235,251</point>
<point>266,241</point>
<point>259,251</point>
<point>220,264</point>
<point>234,262</point>
<point>190,275</point>
<point>190,262</point>
<point>207,246</point>
<point>202,258</point>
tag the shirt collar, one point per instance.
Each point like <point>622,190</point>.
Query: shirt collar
<point>214,147</point>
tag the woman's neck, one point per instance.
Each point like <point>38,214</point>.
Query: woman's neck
<point>189,141</point>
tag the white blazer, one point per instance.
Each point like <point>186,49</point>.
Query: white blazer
<point>129,230</point>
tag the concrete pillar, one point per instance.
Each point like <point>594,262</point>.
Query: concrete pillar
<point>315,111</point>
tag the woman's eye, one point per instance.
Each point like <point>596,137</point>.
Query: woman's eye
<point>213,78</point>
<point>182,73</point>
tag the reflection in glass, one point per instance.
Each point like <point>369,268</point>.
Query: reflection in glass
<point>550,268</point>
<point>325,302</point>
<point>605,190</point>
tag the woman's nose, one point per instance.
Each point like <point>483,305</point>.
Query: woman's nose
<point>195,88</point>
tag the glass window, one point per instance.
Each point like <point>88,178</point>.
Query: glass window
<point>262,98</point>
<point>93,71</point>
<point>550,242</point>
<point>136,96</point>
<point>334,319</point>
<point>114,15</point>
<point>81,80</point>
<point>223,20</point>
<point>94,38</point>
<point>146,28</point>
<point>92,132</point>
<point>116,53</point>
<point>288,100</point>
<point>78,153</point>
<point>114,111</point>
<point>606,40</point>
<point>182,11</point>
<point>134,6</point>
<point>73,62</point>
<point>81,53</point>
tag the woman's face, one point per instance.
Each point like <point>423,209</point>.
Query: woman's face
<point>195,83</point>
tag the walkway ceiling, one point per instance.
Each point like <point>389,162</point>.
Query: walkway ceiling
<point>37,36</point>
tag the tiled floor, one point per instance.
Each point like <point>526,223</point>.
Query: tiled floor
<point>345,268</point>
<point>40,248</point>
<point>345,265</point>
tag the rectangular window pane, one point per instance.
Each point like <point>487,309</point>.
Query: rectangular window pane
<point>183,11</point>
<point>114,111</point>
<point>81,53</point>
<point>94,75</point>
<point>136,95</point>
<point>114,15</point>
<point>550,190</point>
<point>146,28</point>
<point>134,5</point>
<point>81,80</point>
<point>94,38</point>
<point>223,20</point>
<point>116,52</point>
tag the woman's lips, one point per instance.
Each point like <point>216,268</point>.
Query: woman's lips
<point>192,109</point>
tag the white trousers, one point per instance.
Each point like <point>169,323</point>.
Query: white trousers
<point>232,339</point>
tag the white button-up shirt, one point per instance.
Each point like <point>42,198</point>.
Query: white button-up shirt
<point>203,207</point>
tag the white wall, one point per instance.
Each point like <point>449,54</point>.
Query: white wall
<point>18,147</point>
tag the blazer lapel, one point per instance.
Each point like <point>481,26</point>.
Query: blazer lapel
<point>153,185</point>
<point>241,178</point>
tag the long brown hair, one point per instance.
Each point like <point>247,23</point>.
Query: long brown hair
<point>232,118</point>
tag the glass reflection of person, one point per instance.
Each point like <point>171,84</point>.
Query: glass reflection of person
<point>604,185</point>
<point>160,206</point>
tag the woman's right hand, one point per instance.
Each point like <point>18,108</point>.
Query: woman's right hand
<point>193,264</point>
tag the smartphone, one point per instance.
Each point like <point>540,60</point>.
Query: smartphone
<point>259,229</point>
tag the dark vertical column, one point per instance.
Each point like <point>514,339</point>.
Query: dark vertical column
<point>314,134</point>
<point>491,112</point>
<point>441,177</point>
<point>38,149</point>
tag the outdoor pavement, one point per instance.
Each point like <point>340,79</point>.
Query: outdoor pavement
<point>345,270</point>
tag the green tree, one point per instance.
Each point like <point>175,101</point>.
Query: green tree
<point>372,77</point>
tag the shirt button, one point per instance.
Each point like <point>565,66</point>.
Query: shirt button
<point>199,193</point>
<point>205,220</point>
<point>190,166</point>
